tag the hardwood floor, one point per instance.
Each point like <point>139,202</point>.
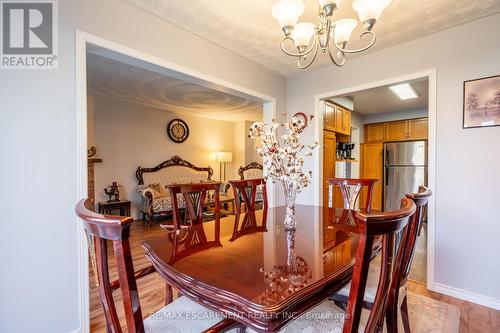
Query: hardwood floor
<point>418,272</point>
<point>473,318</point>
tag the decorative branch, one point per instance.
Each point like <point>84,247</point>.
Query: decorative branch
<point>284,155</point>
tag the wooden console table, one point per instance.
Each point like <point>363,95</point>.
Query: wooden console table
<point>107,207</point>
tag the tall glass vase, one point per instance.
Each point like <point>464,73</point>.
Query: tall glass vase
<point>290,195</point>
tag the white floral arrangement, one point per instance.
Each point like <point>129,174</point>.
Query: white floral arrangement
<point>284,155</point>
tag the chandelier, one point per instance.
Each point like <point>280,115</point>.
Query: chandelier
<point>333,36</point>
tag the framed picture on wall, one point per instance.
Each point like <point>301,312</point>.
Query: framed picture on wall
<point>482,102</point>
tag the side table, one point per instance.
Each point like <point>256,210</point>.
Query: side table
<point>107,207</point>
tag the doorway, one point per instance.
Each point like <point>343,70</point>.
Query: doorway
<point>368,132</point>
<point>86,42</point>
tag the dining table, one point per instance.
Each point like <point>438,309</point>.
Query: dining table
<point>252,269</point>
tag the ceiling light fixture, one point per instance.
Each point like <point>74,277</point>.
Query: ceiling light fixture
<point>308,38</point>
<point>404,91</point>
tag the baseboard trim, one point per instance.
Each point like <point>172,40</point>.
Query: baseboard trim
<point>467,296</point>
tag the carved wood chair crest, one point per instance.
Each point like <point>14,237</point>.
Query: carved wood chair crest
<point>253,165</point>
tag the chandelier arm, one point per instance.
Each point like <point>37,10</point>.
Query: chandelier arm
<point>316,47</point>
<point>306,52</point>
<point>326,27</point>
<point>371,33</point>
<point>332,58</point>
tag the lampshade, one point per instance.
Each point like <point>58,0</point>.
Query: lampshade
<point>302,33</point>
<point>287,12</point>
<point>370,9</point>
<point>343,30</point>
<point>223,156</point>
<point>323,3</point>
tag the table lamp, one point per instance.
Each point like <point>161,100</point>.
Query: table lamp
<point>223,157</point>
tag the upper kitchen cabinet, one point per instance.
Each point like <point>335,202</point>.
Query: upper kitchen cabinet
<point>337,119</point>
<point>346,122</point>
<point>329,117</point>
<point>418,129</point>
<point>396,131</point>
<point>374,133</point>
<point>401,130</point>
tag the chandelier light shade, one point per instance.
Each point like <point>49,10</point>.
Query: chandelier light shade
<point>343,30</point>
<point>304,40</point>
<point>370,9</point>
<point>324,3</point>
<point>287,12</point>
<point>302,34</point>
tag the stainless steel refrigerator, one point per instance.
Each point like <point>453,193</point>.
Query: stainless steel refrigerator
<point>405,169</point>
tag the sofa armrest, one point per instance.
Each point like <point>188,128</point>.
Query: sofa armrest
<point>147,192</point>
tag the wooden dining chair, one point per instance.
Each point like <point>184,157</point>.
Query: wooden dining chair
<point>401,269</point>
<point>350,189</point>
<point>192,238</point>
<point>103,228</point>
<point>251,171</point>
<point>195,198</point>
<point>188,232</point>
<point>245,195</point>
<point>369,226</point>
<point>376,231</point>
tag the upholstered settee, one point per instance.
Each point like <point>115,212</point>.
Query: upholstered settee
<point>152,181</point>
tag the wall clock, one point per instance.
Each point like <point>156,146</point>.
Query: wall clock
<point>177,130</point>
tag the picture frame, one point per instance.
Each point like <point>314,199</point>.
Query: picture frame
<point>481,102</point>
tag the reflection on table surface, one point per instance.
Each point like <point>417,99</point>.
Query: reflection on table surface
<point>252,255</point>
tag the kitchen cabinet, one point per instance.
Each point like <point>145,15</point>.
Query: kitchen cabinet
<point>396,130</point>
<point>346,122</point>
<point>401,130</point>
<point>371,168</point>
<point>374,133</point>
<point>337,119</point>
<point>329,154</point>
<point>372,150</point>
<point>329,117</point>
<point>418,129</point>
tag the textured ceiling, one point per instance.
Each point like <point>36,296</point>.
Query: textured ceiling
<point>248,28</point>
<point>124,82</point>
<point>381,99</point>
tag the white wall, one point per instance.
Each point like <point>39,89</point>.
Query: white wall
<point>38,122</point>
<point>129,135</point>
<point>251,154</point>
<point>240,136</point>
<point>90,121</point>
<point>398,115</point>
<point>357,122</point>
<point>467,228</point>
<point>344,101</point>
